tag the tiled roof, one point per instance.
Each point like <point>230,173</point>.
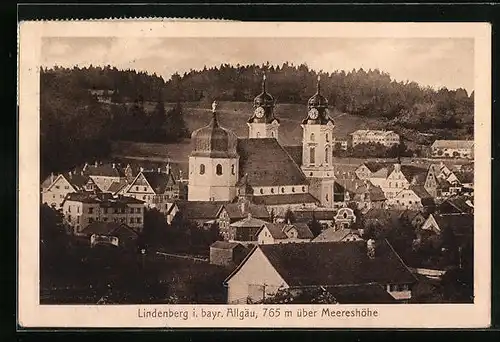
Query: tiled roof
<point>159,180</point>
<point>104,170</point>
<point>117,186</point>
<point>339,263</point>
<point>307,215</point>
<point>276,230</point>
<point>465,177</point>
<point>420,191</point>
<point>108,228</point>
<point>333,235</point>
<point>361,294</point>
<point>280,230</point>
<point>225,245</point>
<point>456,144</point>
<point>286,199</point>
<point>234,210</point>
<point>455,205</point>
<point>460,224</point>
<point>250,222</point>
<point>199,209</point>
<point>268,164</point>
<point>374,166</point>
<point>410,171</point>
<point>295,152</point>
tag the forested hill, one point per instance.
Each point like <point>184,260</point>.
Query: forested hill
<point>76,122</point>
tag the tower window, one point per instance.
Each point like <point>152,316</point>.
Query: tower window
<point>327,138</point>
<point>218,169</point>
<point>293,189</point>
<point>326,197</point>
<point>282,190</point>
<point>303,189</point>
<point>261,191</point>
<point>232,169</point>
<point>202,169</point>
<point>326,155</point>
<point>273,135</point>
<point>312,137</point>
<point>272,190</point>
<point>312,155</point>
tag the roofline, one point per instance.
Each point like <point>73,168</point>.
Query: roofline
<point>401,260</point>
<point>294,163</point>
<point>240,265</point>
<point>57,178</point>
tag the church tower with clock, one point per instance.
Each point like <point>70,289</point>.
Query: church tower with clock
<point>317,138</point>
<point>262,123</point>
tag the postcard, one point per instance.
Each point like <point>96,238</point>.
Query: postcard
<point>220,174</point>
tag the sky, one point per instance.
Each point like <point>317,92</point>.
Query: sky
<point>435,62</point>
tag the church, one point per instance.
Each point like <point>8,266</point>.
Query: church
<point>223,167</point>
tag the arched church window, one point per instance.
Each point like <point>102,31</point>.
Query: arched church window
<point>327,151</point>
<point>232,169</point>
<point>293,189</point>
<point>326,197</point>
<point>312,137</point>
<point>218,169</point>
<point>312,155</point>
<point>272,134</point>
<point>282,190</point>
<point>272,190</point>
<point>327,138</point>
<point>261,191</point>
<point>303,189</point>
<point>202,169</point>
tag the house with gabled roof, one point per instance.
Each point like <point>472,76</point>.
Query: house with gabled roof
<point>415,197</point>
<point>401,177</point>
<point>453,149</point>
<point>245,231</point>
<point>104,174</point>
<point>111,233</point>
<point>231,212</point>
<point>55,188</point>
<point>157,189</point>
<point>269,268</point>
<point>462,226</point>
<point>339,235</point>
<point>455,206</point>
<point>271,233</point>
<point>202,213</point>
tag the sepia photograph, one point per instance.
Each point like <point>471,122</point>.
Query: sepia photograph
<point>257,172</point>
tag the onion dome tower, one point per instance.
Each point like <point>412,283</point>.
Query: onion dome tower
<point>213,163</point>
<point>317,139</point>
<point>263,123</point>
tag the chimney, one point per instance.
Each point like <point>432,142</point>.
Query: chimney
<point>141,169</point>
<point>52,178</point>
<point>81,173</point>
<point>85,166</point>
<point>114,166</point>
<point>159,170</point>
<point>249,215</point>
<point>70,174</point>
<point>370,247</point>
<point>96,163</point>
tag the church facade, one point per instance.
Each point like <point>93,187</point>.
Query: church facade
<point>223,167</point>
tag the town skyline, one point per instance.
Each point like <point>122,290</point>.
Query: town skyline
<point>430,62</point>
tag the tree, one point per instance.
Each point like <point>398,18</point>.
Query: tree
<point>315,226</point>
<point>289,216</point>
<point>316,295</point>
<point>156,232</point>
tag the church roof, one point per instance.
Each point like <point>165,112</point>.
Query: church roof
<point>302,198</point>
<point>268,164</point>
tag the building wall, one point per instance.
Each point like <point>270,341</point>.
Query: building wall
<point>386,139</point>
<point>280,189</point>
<point>280,210</point>
<point>406,199</point>
<point>103,182</point>
<point>55,194</point>
<point>221,257</point>
<point>204,182</point>
<point>450,152</point>
<point>263,130</point>
<point>363,172</point>
<point>317,150</point>
<point>256,271</point>
<point>394,183</point>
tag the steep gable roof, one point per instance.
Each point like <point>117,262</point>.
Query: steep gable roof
<point>268,164</point>
<point>420,191</point>
<point>198,209</point>
<point>276,231</point>
<point>342,264</point>
<point>374,166</point>
<point>159,180</point>
<point>117,186</point>
<point>307,215</point>
<point>104,170</point>
<point>410,172</point>
<point>295,152</point>
<point>234,210</point>
<point>225,245</point>
<point>455,205</point>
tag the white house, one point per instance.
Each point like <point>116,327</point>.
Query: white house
<point>272,233</point>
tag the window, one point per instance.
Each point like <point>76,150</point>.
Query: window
<point>91,210</point>
<point>105,219</point>
<point>57,186</point>
<point>78,219</point>
<point>144,197</point>
<point>202,169</point>
<point>312,137</point>
<point>53,196</point>
<point>91,219</point>
<point>272,134</point>
<point>66,187</point>
<point>293,189</point>
<point>131,220</point>
<point>303,189</point>
<point>137,210</point>
<point>138,220</point>
<point>145,189</point>
<point>326,197</point>
<point>233,170</point>
<point>409,202</point>
<point>282,190</point>
<point>122,210</point>
<point>390,184</point>
<point>78,209</point>
<point>136,188</point>
<point>327,138</point>
<point>311,155</point>
<point>258,134</point>
<point>218,169</point>
<point>261,191</point>
<point>69,218</point>
<point>272,190</point>
<point>69,208</point>
<point>326,155</point>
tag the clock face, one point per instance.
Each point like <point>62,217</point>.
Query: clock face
<point>259,112</point>
<point>313,113</point>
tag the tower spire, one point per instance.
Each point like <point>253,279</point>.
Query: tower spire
<point>318,85</point>
<point>264,83</point>
<point>214,114</point>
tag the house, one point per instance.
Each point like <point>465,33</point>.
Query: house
<point>461,225</point>
<point>55,188</point>
<point>232,212</point>
<point>81,209</point>
<point>362,192</point>
<point>284,233</point>
<point>269,268</point>
<point>344,218</point>
<point>415,197</point>
<point>203,213</point>
<point>413,217</point>
<point>324,217</point>
<point>279,204</point>
<point>245,231</point>
<point>226,253</point>
<point>456,206</point>
<point>453,149</point>
<point>158,189</point>
<point>104,174</point>
<point>339,235</point>
<point>375,172</point>
<point>111,233</point>
<point>366,136</point>
<point>401,177</point>
<point>431,183</point>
